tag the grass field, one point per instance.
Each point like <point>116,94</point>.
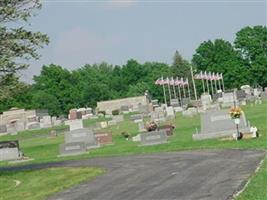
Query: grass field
<point>44,149</point>
<point>40,184</point>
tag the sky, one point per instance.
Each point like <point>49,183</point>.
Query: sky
<point>87,32</point>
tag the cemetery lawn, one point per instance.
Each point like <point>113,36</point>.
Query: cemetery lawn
<point>44,149</point>
<point>40,184</point>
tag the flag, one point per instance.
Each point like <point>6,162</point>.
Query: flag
<point>186,82</point>
<point>171,81</point>
<point>167,81</point>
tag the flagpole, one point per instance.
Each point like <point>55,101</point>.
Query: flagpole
<point>222,82</point>
<point>174,92</point>
<point>193,81</point>
<point>203,84</point>
<point>179,92</point>
<point>164,92</point>
<point>218,76</point>
<point>214,77</point>
<point>207,82</point>
<point>183,88</point>
<point>169,89</point>
<point>188,87</point>
<point>211,83</point>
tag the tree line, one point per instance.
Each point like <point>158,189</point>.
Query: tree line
<point>57,89</point>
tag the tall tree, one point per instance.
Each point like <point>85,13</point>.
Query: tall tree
<point>251,43</point>
<point>180,67</point>
<point>17,43</point>
<point>220,56</point>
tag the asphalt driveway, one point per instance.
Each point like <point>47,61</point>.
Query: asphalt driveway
<point>188,175</point>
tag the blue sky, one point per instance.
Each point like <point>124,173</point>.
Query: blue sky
<point>114,31</point>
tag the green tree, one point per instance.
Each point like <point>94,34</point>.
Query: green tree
<point>180,67</point>
<point>220,56</point>
<point>17,43</point>
<point>251,43</point>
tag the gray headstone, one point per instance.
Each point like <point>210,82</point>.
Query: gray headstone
<point>33,125</point>
<point>170,112</point>
<point>141,127</point>
<point>9,154</point>
<point>112,122</point>
<point>81,135</point>
<point>74,124</point>
<point>218,123</point>
<point>228,99</point>
<point>72,148</point>
<point>3,129</point>
<point>118,118</point>
<point>153,137</point>
<point>240,95</point>
<point>174,102</point>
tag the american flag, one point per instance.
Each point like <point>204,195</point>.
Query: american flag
<point>167,81</point>
<point>171,81</point>
<point>159,81</point>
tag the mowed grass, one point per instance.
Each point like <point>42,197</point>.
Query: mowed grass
<point>40,184</point>
<point>45,149</point>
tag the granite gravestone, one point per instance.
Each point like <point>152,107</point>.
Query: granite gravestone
<point>46,122</point>
<point>9,150</point>
<point>3,129</point>
<point>167,128</point>
<point>141,127</point>
<point>104,138</point>
<point>170,114</point>
<point>174,102</point>
<point>228,99</point>
<point>153,137</point>
<point>205,101</point>
<point>78,141</point>
<point>33,125</point>
<point>112,122</point>
<point>137,118</point>
<point>118,118</point>
<point>74,124</point>
<point>218,123</point>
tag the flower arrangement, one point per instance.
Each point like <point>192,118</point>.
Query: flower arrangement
<point>235,113</point>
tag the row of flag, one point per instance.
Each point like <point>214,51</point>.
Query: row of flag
<point>172,81</point>
<point>210,76</point>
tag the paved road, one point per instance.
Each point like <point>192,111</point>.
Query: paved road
<point>188,175</point>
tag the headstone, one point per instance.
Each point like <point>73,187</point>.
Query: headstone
<point>185,101</point>
<point>240,95</point>
<point>73,114</point>
<point>118,118</point>
<point>228,99</point>
<point>188,113</point>
<point>103,124</point>
<point>178,109</point>
<point>46,122</point>
<point>72,148</point>
<point>153,137</point>
<point>218,123</point>
<point>74,124</point>
<point>33,125</point>
<point>104,138</point>
<point>141,127</point>
<point>124,108</point>
<point>9,150</point>
<point>112,123</point>
<point>170,114</point>
<point>78,141</point>
<point>174,102</point>
<point>206,101</point>
<point>137,138</point>
<point>3,129</point>
<point>167,128</point>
